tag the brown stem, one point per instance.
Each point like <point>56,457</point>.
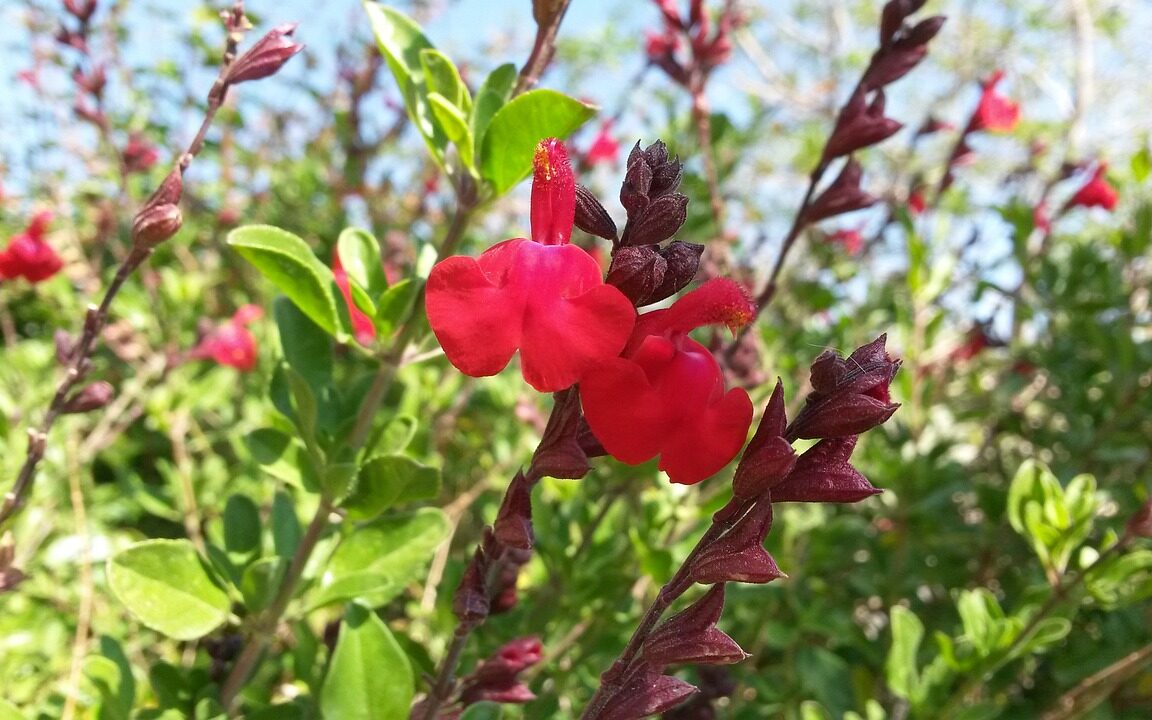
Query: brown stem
<point>543,48</point>
<point>799,222</point>
<point>702,118</point>
<point>265,624</point>
<point>97,317</point>
<point>87,595</point>
<point>1094,689</point>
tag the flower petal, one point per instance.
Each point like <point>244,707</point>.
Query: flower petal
<point>698,450</point>
<point>477,323</point>
<point>626,414</point>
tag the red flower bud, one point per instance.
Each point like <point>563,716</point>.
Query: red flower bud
<point>92,397</point>
<point>842,196</point>
<point>513,525</point>
<point>739,554</point>
<point>646,693</point>
<point>823,474</point>
<point>470,604</point>
<point>994,112</point>
<point>860,125</point>
<point>156,223</point>
<point>769,457</point>
<point>266,56</point>
<point>1140,524</point>
<point>591,217</point>
<point>29,255</point>
<point>691,636</point>
<point>559,454</point>
<point>1096,192</point>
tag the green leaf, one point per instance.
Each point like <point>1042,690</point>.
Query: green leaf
<point>307,347</point>
<point>442,78</point>
<point>260,582</point>
<point>401,41</point>
<point>1141,164</point>
<point>305,406</point>
<point>393,306</point>
<point>455,126</point>
<point>291,266</point>
<point>8,711</point>
<point>492,96</point>
<point>241,525</point>
<point>106,678</point>
<point>901,668</point>
<point>360,258</point>
<point>286,532</point>
<point>166,586</point>
<point>377,560</point>
<point>369,677</point>
<point>390,480</point>
<point>517,128</point>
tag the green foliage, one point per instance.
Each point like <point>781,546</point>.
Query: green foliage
<point>369,677</point>
<point>166,585</point>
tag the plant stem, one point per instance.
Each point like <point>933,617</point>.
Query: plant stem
<point>702,120</point>
<point>543,48</point>
<point>1059,594</point>
<point>1094,689</point>
<point>620,670</point>
<point>80,359</point>
<point>264,627</point>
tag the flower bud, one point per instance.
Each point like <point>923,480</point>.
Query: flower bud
<point>842,196</point>
<point>1140,524</point>
<point>691,636</point>
<point>470,603</point>
<point>646,693</point>
<point>860,125</point>
<point>559,454</point>
<point>591,217</point>
<point>82,10</point>
<point>769,457</point>
<point>823,474</point>
<point>92,397</point>
<point>739,554</point>
<point>513,526</point>
<point>648,274</point>
<point>266,57</point>
<point>155,224</point>
<point>658,221</point>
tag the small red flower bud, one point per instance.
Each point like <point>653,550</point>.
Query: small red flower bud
<point>645,694</point>
<point>769,457</point>
<point>559,454</point>
<point>842,196</point>
<point>80,9</point>
<point>139,155</point>
<point>470,603</point>
<point>739,554</point>
<point>231,343</point>
<point>823,474</point>
<point>266,56</point>
<point>591,217</point>
<point>92,397</point>
<point>1140,524</point>
<point>513,525</point>
<point>156,223</point>
<point>1096,192</point>
<point>691,636</point>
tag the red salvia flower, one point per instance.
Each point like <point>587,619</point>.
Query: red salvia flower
<point>1096,192</point>
<point>916,202</point>
<point>139,155</point>
<point>231,343</point>
<point>665,395</point>
<point>28,255</point>
<point>362,326</point>
<point>995,113</point>
<point>850,238</point>
<point>604,148</point>
<point>543,296</point>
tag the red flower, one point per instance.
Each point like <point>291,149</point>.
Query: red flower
<point>665,395</point>
<point>916,202</point>
<point>139,155</point>
<point>231,343</point>
<point>28,255</point>
<point>542,296</point>
<point>1040,219</point>
<point>1096,192</point>
<point>362,326</point>
<point>851,239</point>
<point>604,148</point>
<point>995,113</point>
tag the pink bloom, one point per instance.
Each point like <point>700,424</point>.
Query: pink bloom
<point>661,45</point>
<point>543,296</point>
<point>850,238</point>
<point>28,255</point>
<point>1096,192</point>
<point>139,155</point>
<point>665,395</point>
<point>994,113</point>
<point>362,326</point>
<point>231,343</point>
<point>604,148</point>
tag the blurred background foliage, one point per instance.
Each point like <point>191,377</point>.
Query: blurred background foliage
<point>1019,347</point>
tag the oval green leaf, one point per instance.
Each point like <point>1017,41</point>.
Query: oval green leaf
<point>290,265</point>
<point>370,677</point>
<point>519,126</point>
<point>164,584</point>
